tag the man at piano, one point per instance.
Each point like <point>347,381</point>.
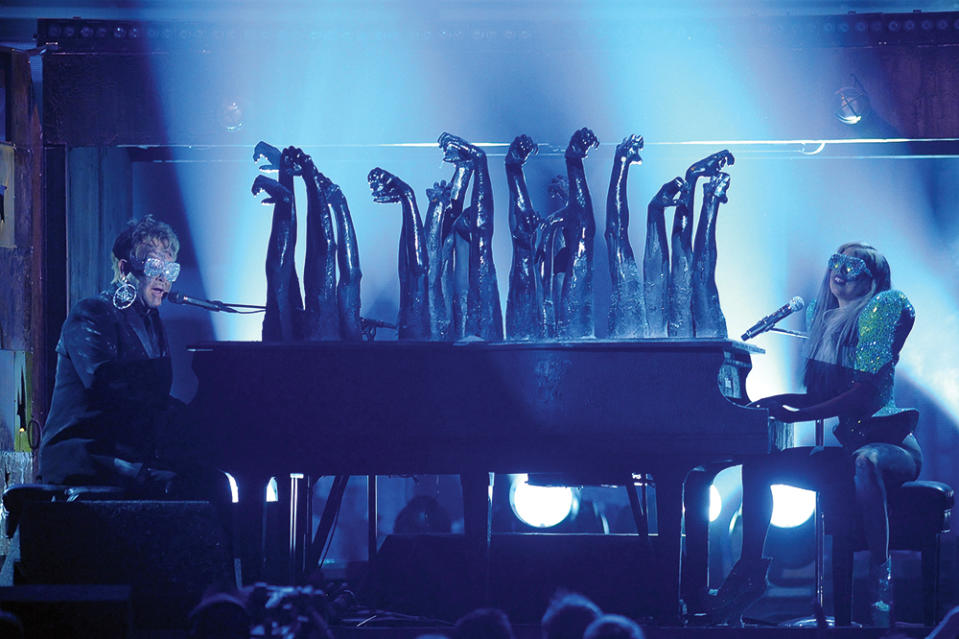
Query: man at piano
<point>857,327</point>
<point>111,401</point>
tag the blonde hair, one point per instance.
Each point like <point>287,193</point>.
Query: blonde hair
<point>138,233</point>
<point>835,337</point>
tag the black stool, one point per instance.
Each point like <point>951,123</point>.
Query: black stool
<point>919,512</point>
<point>17,495</point>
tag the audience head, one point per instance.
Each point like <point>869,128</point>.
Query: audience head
<point>568,616</point>
<point>483,623</point>
<point>613,627</point>
<point>10,625</point>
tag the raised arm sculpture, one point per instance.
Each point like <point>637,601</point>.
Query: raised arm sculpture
<point>708,319</point>
<point>413,263</point>
<point>656,257</point>
<point>680,275</point>
<point>627,313</point>
<point>484,317</point>
<point>319,273</point>
<point>579,231</point>
<point>348,261</point>
<point>525,289</point>
<point>282,320</point>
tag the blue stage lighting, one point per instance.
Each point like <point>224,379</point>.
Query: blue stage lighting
<point>792,506</point>
<point>715,503</point>
<point>540,506</point>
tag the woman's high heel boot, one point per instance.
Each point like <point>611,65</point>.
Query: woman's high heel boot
<point>745,584</point>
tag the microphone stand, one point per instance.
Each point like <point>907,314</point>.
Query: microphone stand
<point>786,331</point>
<point>818,619</point>
<point>232,308</point>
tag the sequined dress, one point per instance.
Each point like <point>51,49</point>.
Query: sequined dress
<point>883,325</point>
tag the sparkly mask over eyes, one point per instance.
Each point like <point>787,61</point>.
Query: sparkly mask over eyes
<point>154,267</point>
<point>849,267</point>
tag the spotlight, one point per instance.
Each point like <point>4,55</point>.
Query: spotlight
<point>852,103</point>
<point>101,32</point>
<point>86,31</point>
<point>792,506</point>
<point>715,503</point>
<point>69,31</point>
<point>54,31</point>
<point>230,115</point>
<point>909,25</point>
<point>541,506</point>
<point>119,32</point>
<point>894,26</point>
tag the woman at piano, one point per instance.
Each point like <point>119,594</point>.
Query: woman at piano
<point>857,327</point>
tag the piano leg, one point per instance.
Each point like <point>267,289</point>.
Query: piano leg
<point>249,527</point>
<point>695,571</point>
<point>322,536</point>
<point>669,502</point>
<point>477,525</point>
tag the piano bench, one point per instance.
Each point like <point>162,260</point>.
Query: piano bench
<point>17,495</point>
<point>919,512</point>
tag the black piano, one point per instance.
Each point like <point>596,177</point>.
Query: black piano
<point>596,409</point>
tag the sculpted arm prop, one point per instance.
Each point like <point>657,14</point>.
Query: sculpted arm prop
<point>284,304</point>
<point>627,313</point>
<point>414,318</point>
<point>656,257</point>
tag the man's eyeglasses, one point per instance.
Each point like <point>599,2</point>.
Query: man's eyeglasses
<point>154,267</point>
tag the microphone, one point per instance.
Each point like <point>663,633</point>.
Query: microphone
<point>179,298</point>
<point>795,304</point>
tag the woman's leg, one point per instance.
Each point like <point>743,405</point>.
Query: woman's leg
<point>879,467</point>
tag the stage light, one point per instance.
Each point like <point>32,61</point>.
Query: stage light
<point>86,31</point>
<point>54,31</point>
<point>230,115</point>
<point>234,489</point>
<point>791,506</point>
<point>852,103</point>
<point>909,25</point>
<point>715,503</point>
<point>540,506</point>
<point>894,26</point>
<point>272,492</point>
<point>119,32</point>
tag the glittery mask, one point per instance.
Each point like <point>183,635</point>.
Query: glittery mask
<point>849,267</point>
